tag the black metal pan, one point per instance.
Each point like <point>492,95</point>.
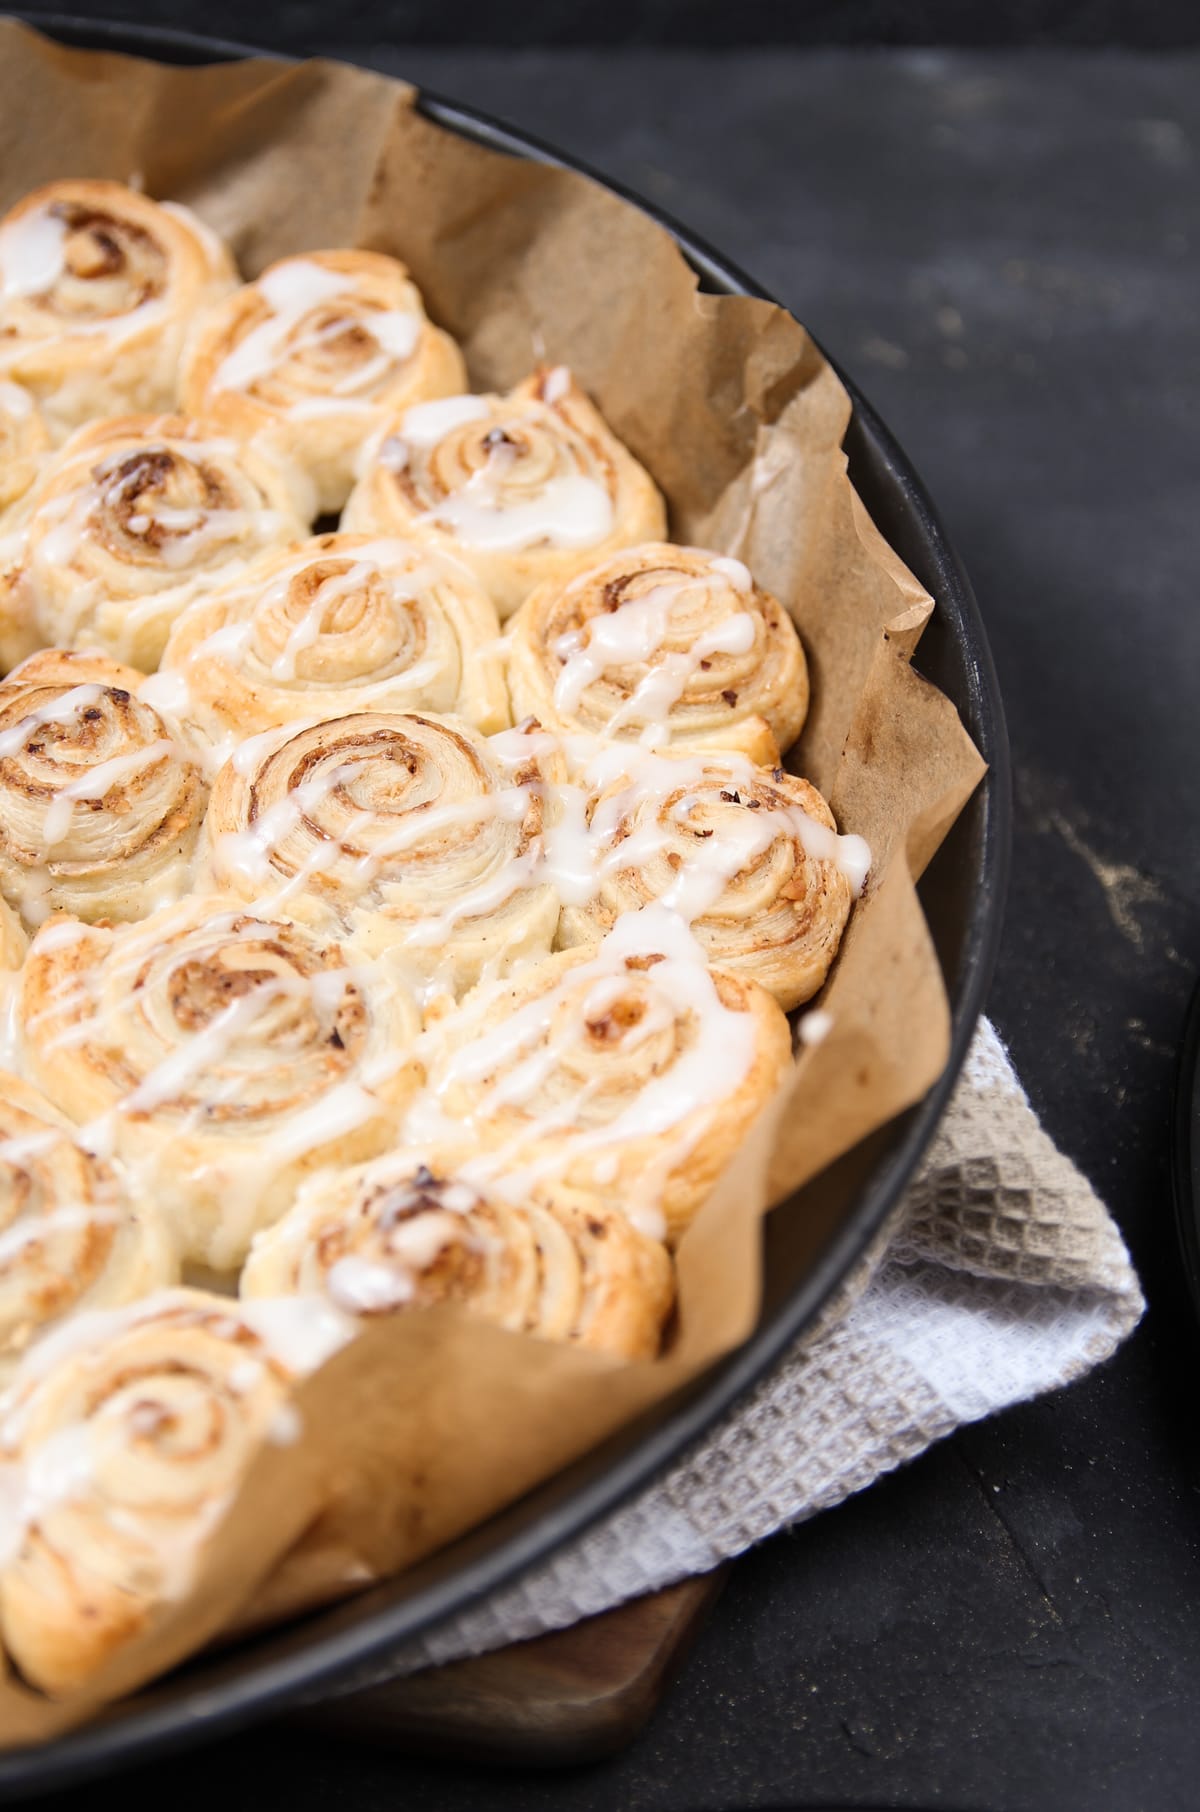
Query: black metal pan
<point>808,1253</point>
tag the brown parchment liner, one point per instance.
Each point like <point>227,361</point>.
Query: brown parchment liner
<point>430,1422</point>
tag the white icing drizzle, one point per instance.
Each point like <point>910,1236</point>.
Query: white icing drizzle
<point>815,1027</point>
<point>568,511</point>
<point>425,424</point>
<point>299,1334</point>
<point>634,635</point>
<point>292,291</point>
<point>65,709</point>
<point>16,402</point>
<point>712,1065</point>
<point>32,253</point>
<point>97,782</point>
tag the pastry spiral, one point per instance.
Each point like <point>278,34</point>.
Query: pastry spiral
<point>70,1237</point>
<point>24,443</point>
<point>403,1232</point>
<point>631,1072</point>
<point>749,856</point>
<point>24,447</point>
<point>126,1446</point>
<point>136,518</point>
<point>669,645</point>
<point>98,287</point>
<point>399,831</point>
<point>321,351</point>
<point>525,488</point>
<point>220,1055</point>
<point>342,623</point>
<point>13,942</point>
<point>100,804</point>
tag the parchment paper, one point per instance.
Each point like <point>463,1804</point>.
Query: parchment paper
<point>430,1422</point>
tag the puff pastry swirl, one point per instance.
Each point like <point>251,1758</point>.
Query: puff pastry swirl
<point>524,488</point>
<point>320,352</point>
<point>675,646</point>
<point>409,1231</point>
<point>98,287</point>
<point>221,1055</point>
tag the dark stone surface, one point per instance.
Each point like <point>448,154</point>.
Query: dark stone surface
<point>305,26</point>
<point>1006,252</point>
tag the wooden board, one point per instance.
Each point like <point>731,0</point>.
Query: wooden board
<point>570,1696</point>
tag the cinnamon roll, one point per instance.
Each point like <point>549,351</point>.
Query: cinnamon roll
<point>13,941</point>
<point>321,351</point>
<point>409,1231</point>
<point>526,488</point>
<point>121,1447</point>
<point>138,517</point>
<point>220,1055</point>
<point>70,1236</point>
<point>666,645</point>
<point>749,856</point>
<point>341,623</point>
<point>98,287</point>
<point>631,1072</point>
<point>24,447</point>
<point>24,444</point>
<point>402,832</point>
<point>100,803</point>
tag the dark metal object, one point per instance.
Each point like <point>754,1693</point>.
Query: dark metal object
<point>808,1255</point>
<point>1185,1151</point>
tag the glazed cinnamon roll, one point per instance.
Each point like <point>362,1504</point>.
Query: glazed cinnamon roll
<point>409,1231</point>
<point>100,803</point>
<point>221,1056</point>
<point>631,1072</point>
<point>666,645</point>
<point>749,856</point>
<point>70,1237</point>
<point>13,941</point>
<point>341,623</point>
<point>138,517</point>
<point>24,448</point>
<point>24,444</point>
<point>400,832</point>
<point>98,287</point>
<point>321,351</point>
<point>125,1445</point>
<point>524,488</point>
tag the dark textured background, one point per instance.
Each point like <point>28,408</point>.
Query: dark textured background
<point>305,26</point>
<point>1005,250</point>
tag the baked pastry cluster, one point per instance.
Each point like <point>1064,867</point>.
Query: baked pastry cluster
<point>398,912</point>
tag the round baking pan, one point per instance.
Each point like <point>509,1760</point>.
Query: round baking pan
<point>808,1253</point>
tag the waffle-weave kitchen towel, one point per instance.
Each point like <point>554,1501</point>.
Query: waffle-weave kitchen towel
<point>1003,1277</point>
